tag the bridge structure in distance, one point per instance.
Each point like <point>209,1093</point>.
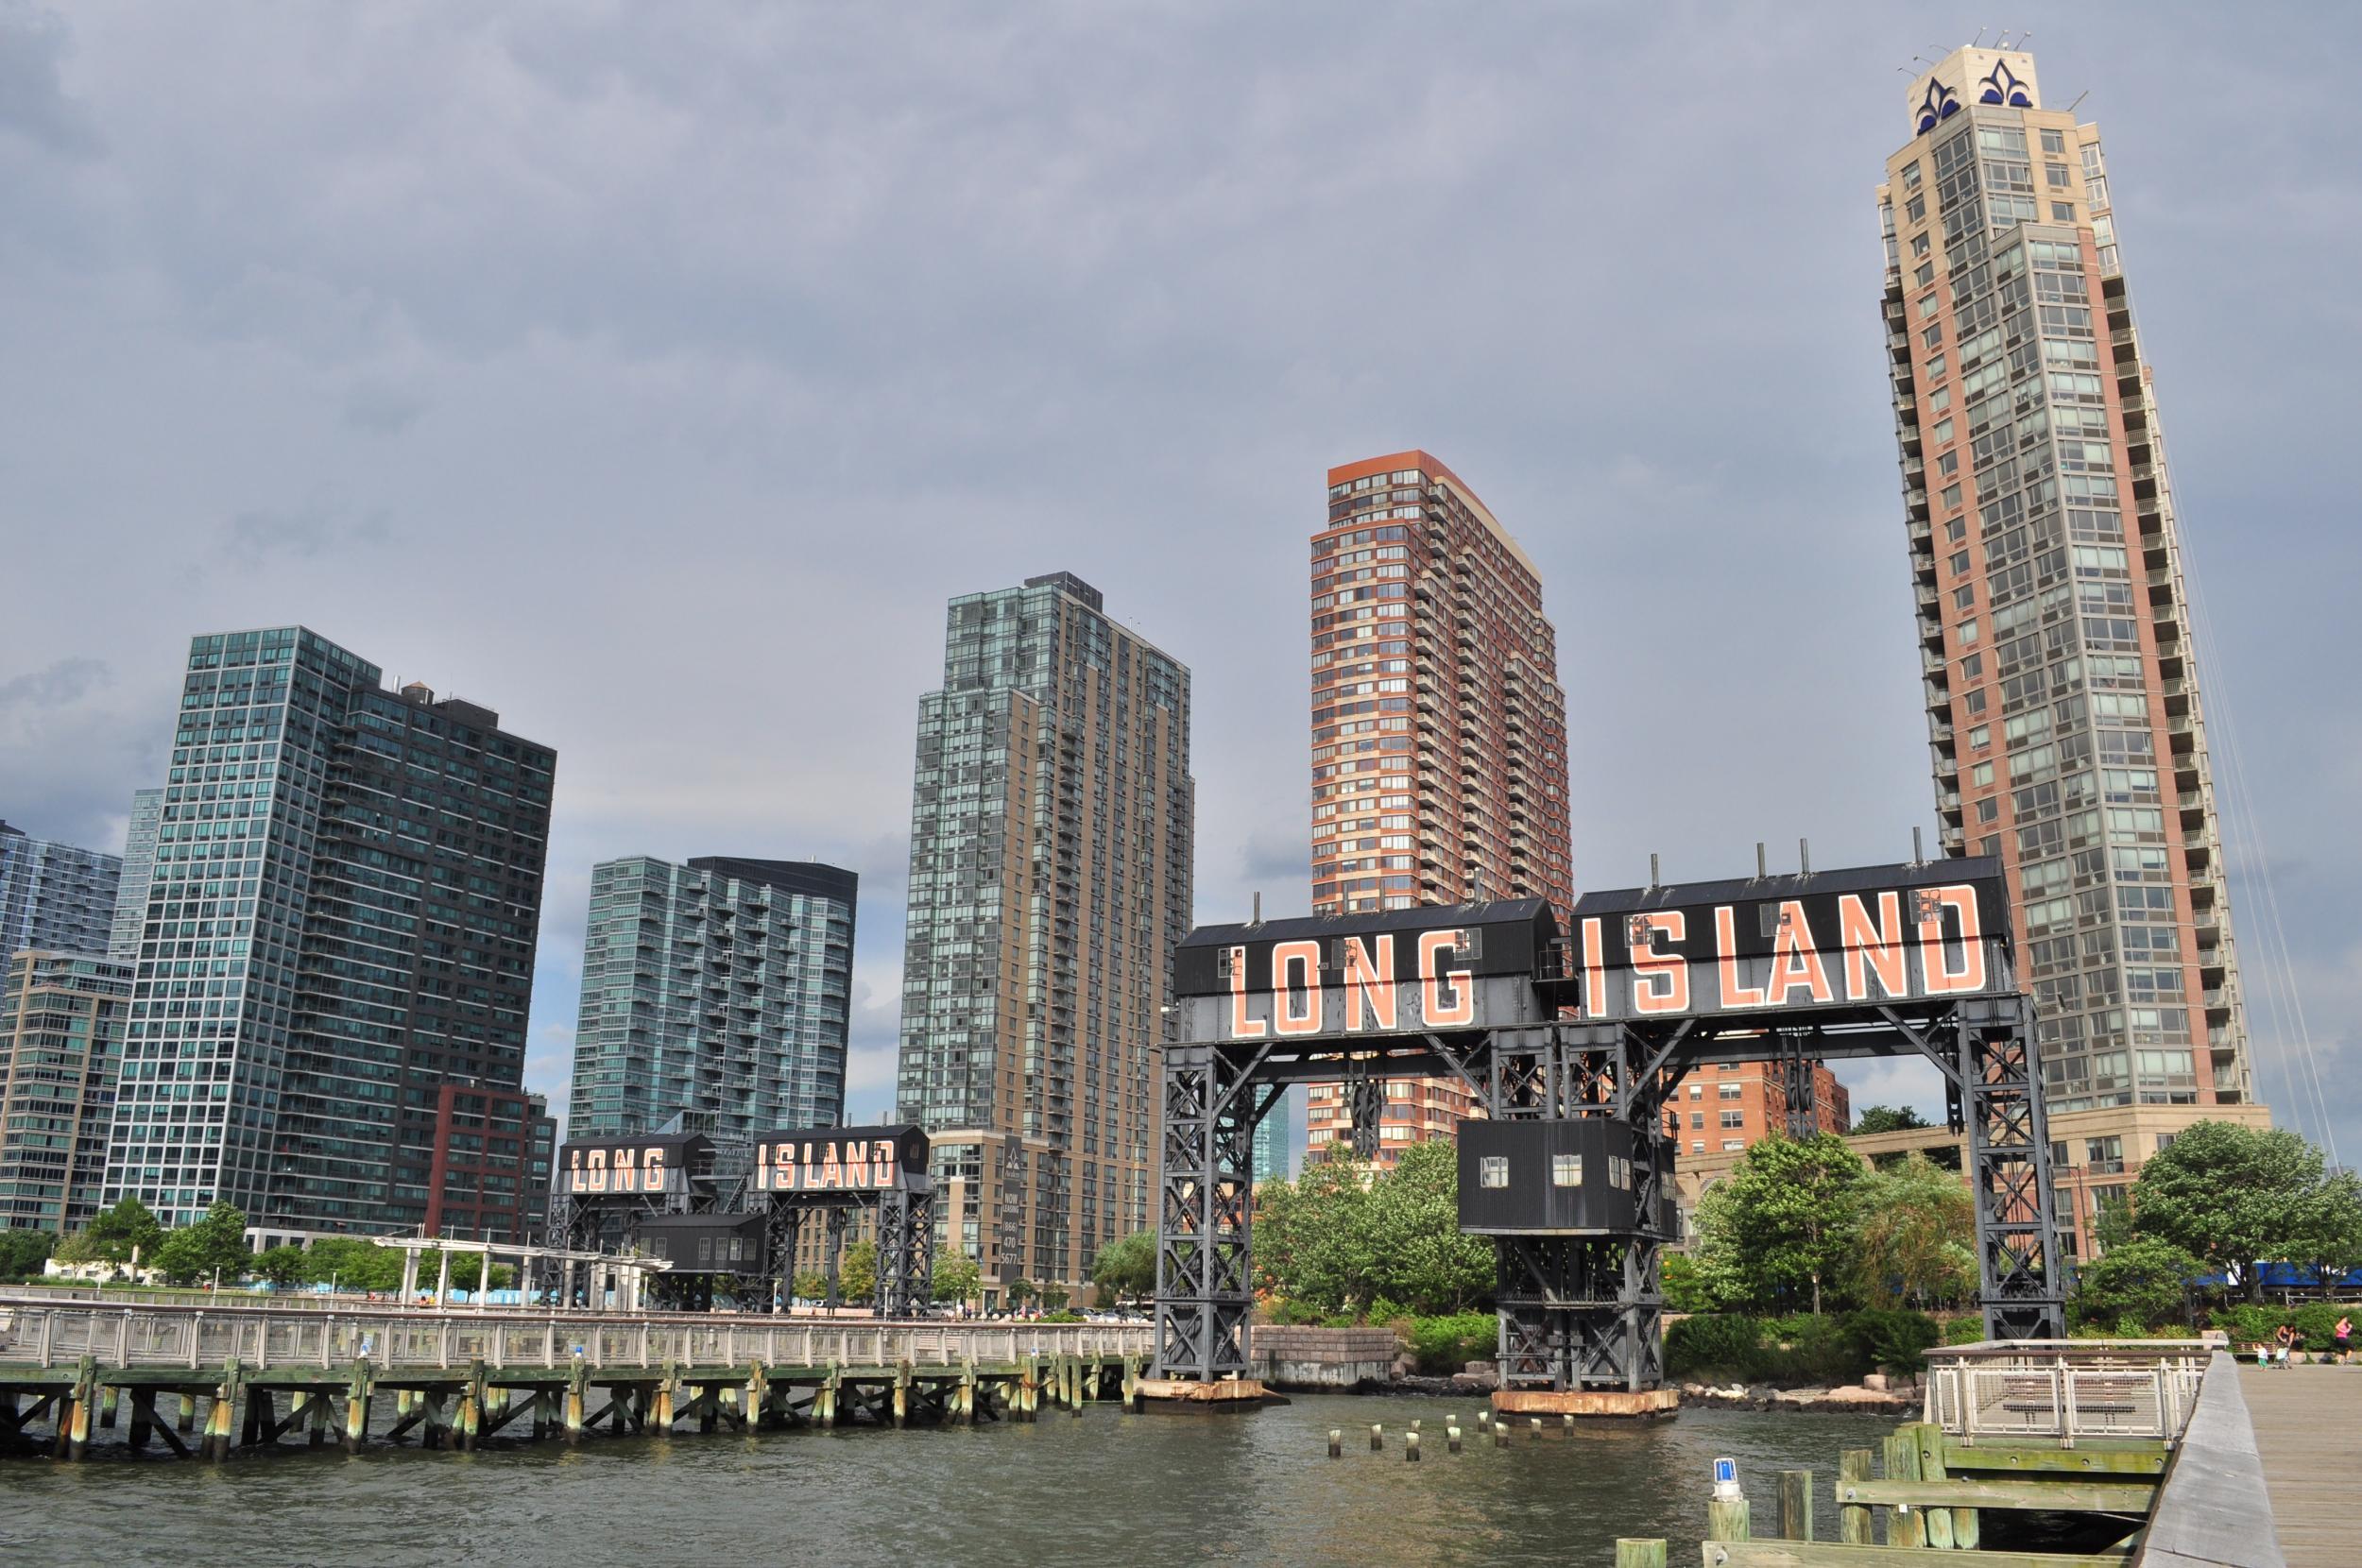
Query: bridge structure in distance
<point>198,1382</point>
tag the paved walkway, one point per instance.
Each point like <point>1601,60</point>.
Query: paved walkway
<point>2308,1432</point>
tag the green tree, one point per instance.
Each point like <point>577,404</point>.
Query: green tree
<point>2145,1280</point>
<point>282,1266</point>
<point>1126,1268</point>
<point>1312,1236</point>
<point>1783,1224</point>
<point>956,1278</point>
<point>1888,1119</point>
<point>1416,1253</point>
<point>857,1272</point>
<point>1055,1297</point>
<point>2329,1233</point>
<point>22,1253</point>
<point>1683,1291</point>
<point>1021,1291</point>
<point>2233,1195</point>
<point>214,1247</point>
<point>1917,1237</point>
<point>811,1286</point>
<point>352,1263</point>
<point>114,1235</point>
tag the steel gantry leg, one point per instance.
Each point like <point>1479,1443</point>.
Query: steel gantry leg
<point>1204,1185</point>
<point>2019,1281</point>
<point>906,1236</point>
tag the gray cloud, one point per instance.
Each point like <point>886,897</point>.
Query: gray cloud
<point>64,682</point>
<point>254,538</point>
<point>749,333</point>
<point>33,102</point>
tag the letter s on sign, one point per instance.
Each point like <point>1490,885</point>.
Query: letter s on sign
<point>1660,980</point>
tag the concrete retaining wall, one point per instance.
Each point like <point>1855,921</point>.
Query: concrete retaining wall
<point>1321,1357</point>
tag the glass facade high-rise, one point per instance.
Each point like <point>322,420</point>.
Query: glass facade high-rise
<point>139,865</point>
<point>1439,730</point>
<point>721,988</point>
<point>61,1017</point>
<point>53,896</point>
<point>2053,619</point>
<point>342,917</point>
<point>1051,821</point>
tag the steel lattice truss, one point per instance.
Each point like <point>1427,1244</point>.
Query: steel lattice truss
<point>1586,1310</point>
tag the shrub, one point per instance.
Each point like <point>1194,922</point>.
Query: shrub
<point>1712,1346</point>
<point>1289,1314</point>
<point>1805,1349</point>
<point>1443,1345</point>
<point>1966,1329</point>
<point>1064,1315</point>
<point>2315,1320</point>
<point>1891,1341</point>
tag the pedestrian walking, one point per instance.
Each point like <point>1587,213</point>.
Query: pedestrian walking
<point>2345,1334</point>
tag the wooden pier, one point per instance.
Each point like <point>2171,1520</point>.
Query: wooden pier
<point>200,1383</point>
<point>2133,1454</point>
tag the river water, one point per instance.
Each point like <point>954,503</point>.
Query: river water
<point>1098,1489</point>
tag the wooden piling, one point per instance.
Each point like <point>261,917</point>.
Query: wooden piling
<point>187,1421</point>
<point>1965,1531</point>
<point>1726,1519</point>
<point>963,1399</point>
<point>1500,1433</point>
<point>1795,1515</point>
<point>902,1394</point>
<point>143,1418</point>
<point>667,1396</point>
<point>1377,1437</point>
<point>1336,1442</point>
<point>108,1395</point>
<point>577,1399</point>
<point>1451,1439</point>
<point>357,1389</point>
<point>1411,1448</point>
<point>1905,1526</point>
<point>1533,1425</point>
<point>1853,1519</point>
<point>1639,1554</point>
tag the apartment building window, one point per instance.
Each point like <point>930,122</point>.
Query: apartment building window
<point>1733,1091</point>
<point>1697,1118</point>
<point>2105,1156</point>
<point>1733,1119</point>
<point>1697,1146</point>
<point>1696,1091</point>
<point>2058,1155</point>
<point>1731,1144</point>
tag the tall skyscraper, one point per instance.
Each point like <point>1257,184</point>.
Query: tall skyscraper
<point>139,866</point>
<point>342,918</point>
<point>1439,730</point>
<point>2062,700</point>
<point>1051,821</point>
<point>1274,1138</point>
<point>61,1017</point>
<point>53,896</point>
<point>722,987</point>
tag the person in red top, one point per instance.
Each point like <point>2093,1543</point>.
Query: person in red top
<point>2345,1334</point>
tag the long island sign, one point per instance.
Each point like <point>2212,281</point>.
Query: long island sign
<point>1840,938</point>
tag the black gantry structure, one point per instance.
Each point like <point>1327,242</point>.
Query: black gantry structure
<point>728,1215</point>
<point>1573,1047</point>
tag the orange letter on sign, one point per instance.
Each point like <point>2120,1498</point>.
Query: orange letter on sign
<point>1437,1013</point>
<point>1241,1027</point>
<point>1941,978</point>
<point>1736,992</point>
<point>1873,949</point>
<point>1285,956</point>
<point>1370,979</point>
<point>1660,980</point>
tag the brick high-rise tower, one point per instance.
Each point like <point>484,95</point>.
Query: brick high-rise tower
<point>1439,728</point>
<point>2063,701</point>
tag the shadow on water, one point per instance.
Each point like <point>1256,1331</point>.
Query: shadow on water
<point>1103,1486</point>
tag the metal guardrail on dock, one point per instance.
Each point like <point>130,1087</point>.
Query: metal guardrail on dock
<point>2064,1388</point>
<point>394,1340</point>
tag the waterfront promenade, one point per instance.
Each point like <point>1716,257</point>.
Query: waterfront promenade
<point>2308,1436</point>
<point>261,1375</point>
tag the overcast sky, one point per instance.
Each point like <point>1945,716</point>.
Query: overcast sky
<point>653,374</point>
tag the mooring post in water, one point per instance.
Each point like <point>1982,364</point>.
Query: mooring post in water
<point>1639,1554</point>
<point>1853,1519</point>
<point>578,1397</point>
<point>1500,1433</point>
<point>1905,1526</point>
<point>1567,1421</point>
<point>143,1418</point>
<point>357,1405</point>
<point>187,1421</point>
<point>1451,1439</point>
<point>107,1397</point>
<point>1336,1442</point>
<point>1533,1425</point>
<point>1795,1505</point>
<point>758,1394</point>
<point>1377,1437</point>
<point>1411,1448</point>
<point>667,1393</point>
